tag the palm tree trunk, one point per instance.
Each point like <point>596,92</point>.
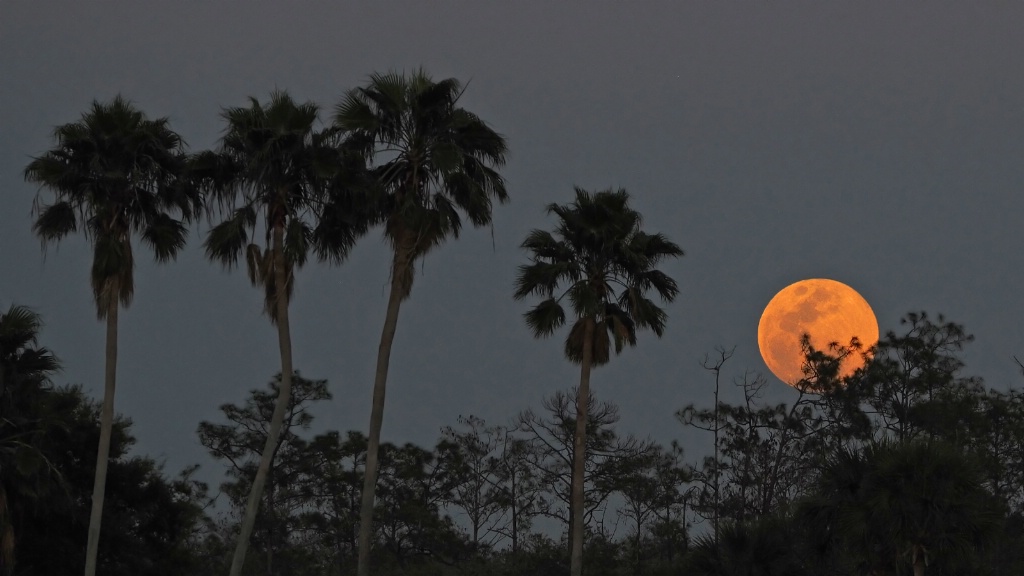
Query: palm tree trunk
<point>6,535</point>
<point>399,290</point>
<point>718,498</point>
<point>284,340</point>
<point>106,429</point>
<point>579,453</point>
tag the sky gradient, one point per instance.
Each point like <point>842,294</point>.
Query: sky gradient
<point>874,143</point>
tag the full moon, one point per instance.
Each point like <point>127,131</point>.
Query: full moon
<point>828,311</point>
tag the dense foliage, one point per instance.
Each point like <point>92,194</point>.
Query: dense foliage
<point>48,441</point>
<point>827,484</point>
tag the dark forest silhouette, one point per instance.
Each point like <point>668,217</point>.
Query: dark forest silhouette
<point>908,465</point>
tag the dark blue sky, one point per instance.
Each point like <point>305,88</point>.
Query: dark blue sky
<point>875,143</point>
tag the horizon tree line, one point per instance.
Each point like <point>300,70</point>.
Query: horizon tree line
<point>859,492</point>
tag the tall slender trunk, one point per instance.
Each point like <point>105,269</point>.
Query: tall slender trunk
<point>284,393</point>
<point>6,535</point>
<point>514,500</point>
<point>718,498</point>
<point>270,525</point>
<point>399,290</point>
<point>579,453</point>
<point>92,546</point>
<point>515,525</point>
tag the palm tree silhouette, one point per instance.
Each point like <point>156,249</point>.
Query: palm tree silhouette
<point>115,174</point>
<point>25,367</point>
<point>431,160</point>
<point>599,261</point>
<point>271,174</point>
<point>915,503</point>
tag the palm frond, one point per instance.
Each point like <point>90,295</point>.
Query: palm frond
<point>55,222</point>
<point>37,362</point>
<point>19,327</point>
<point>166,236</point>
<point>213,175</point>
<point>449,222</point>
<point>543,246</point>
<point>225,241</point>
<point>541,278</point>
<point>24,365</point>
<point>644,312</point>
<point>480,139</point>
<point>664,285</point>
<point>545,317</point>
<point>346,216</point>
<point>654,247</point>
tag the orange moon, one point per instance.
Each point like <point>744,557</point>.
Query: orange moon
<point>828,311</point>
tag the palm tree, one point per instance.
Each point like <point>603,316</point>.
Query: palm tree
<point>765,546</point>
<point>25,368</point>
<point>431,159</point>
<point>603,264</point>
<point>115,174</point>
<point>270,174</point>
<point>917,503</point>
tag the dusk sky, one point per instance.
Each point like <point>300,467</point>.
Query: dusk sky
<point>879,144</point>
